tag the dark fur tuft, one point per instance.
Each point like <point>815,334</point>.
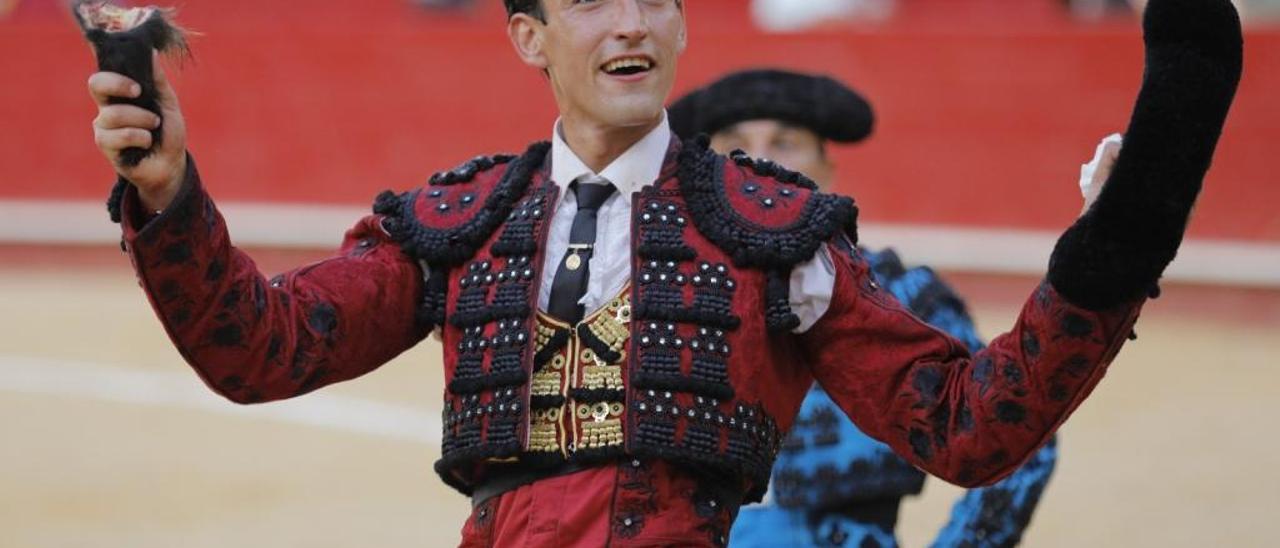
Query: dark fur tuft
<point>128,52</point>
<point>1118,250</point>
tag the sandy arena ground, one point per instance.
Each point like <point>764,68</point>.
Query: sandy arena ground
<point>111,441</point>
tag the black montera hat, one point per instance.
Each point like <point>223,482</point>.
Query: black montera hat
<point>819,103</point>
<point>520,6</point>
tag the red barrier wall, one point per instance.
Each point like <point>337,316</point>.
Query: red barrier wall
<point>984,113</point>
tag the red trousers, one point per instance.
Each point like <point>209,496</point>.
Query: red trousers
<point>632,503</point>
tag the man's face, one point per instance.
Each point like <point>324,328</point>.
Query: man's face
<point>795,148</point>
<point>611,62</point>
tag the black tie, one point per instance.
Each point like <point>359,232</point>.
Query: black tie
<point>570,282</point>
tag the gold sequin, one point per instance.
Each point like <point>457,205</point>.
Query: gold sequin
<point>591,425</point>
<point>546,383</point>
<point>596,435</point>
<point>596,377</point>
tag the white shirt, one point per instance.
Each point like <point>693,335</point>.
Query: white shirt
<point>610,264</point>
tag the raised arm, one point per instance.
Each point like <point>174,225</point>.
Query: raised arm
<point>250,339</point>
<point>972,420</point>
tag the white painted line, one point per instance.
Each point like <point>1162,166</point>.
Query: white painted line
<point>1027,252</point>
<point>945,247</point>
<point>183,389</point>
<point>257,224</point>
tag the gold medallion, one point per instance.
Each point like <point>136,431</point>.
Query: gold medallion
<point>574,262</point>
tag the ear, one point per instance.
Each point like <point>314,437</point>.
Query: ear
<point>823,174</point>
<point>526,35</point>
<point>823,171</point>
<point>683,37</point>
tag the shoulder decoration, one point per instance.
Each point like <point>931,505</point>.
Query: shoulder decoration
<point>762,215</point>
<point>446,222</point>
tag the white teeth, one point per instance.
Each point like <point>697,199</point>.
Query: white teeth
<point>627,63</point>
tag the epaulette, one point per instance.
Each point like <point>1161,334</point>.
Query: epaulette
<point>762,215</point>
<point>445,222</point>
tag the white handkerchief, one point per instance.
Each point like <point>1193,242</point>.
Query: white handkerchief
<point>1093,175</point>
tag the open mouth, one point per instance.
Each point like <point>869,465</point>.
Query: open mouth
<point>627,66</point>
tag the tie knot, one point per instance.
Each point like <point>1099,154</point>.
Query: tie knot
<point>592,191</point>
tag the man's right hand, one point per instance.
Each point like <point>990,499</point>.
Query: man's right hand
<point>122,126</point>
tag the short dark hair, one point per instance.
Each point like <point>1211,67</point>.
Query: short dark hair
<point>531,7</point>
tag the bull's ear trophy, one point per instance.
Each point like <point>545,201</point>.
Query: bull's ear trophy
<point>123,39</point>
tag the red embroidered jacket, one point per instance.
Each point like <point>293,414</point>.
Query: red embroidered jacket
<point>711,374</point>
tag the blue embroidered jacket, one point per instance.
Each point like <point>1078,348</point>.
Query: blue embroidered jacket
<point>832,485</point>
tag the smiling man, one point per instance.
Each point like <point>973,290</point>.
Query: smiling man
<point>621,311</point>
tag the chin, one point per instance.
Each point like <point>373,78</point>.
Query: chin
<point>628,112</point>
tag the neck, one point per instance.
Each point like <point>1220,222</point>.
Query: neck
<point>598,145</point>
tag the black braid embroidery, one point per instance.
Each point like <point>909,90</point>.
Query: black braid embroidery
<point>450,247</point>
<point>701,177</point>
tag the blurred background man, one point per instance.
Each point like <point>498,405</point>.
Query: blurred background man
<point>833,485</point>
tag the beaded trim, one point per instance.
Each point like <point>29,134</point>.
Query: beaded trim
<point>450,246</point>
<point>776,249</point>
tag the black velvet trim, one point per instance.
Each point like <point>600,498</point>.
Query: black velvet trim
<point>119,191</point>
<point>646,312</point>
<point>450,466</point>
<point>476,318</point>
<point>701,176</point>
<point>116,200</point>
<point>600,454</point>
<point>778,316</point>
<point>514,248</point>
<point>434,299</point>
<point>680,383</point>
<point>1116,251</point>
<point>582,395</point>
<point>666,253</point>
<point>546,460</point>
<point>546,402</point>
<point>553,347</point>
<point>453,246</point>
<point>469,169</point>
<point>458,484</point>
<point>596,345</point>
<point>542,459</point>
<point>474,385</point>
<point>768,168</point>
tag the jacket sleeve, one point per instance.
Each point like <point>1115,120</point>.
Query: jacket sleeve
<point>969,419</point>
<point>997,515</point>
<point>252,339</point>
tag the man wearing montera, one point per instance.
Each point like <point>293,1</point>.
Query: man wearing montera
<point>832,485</point>
<point>621,311</point>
